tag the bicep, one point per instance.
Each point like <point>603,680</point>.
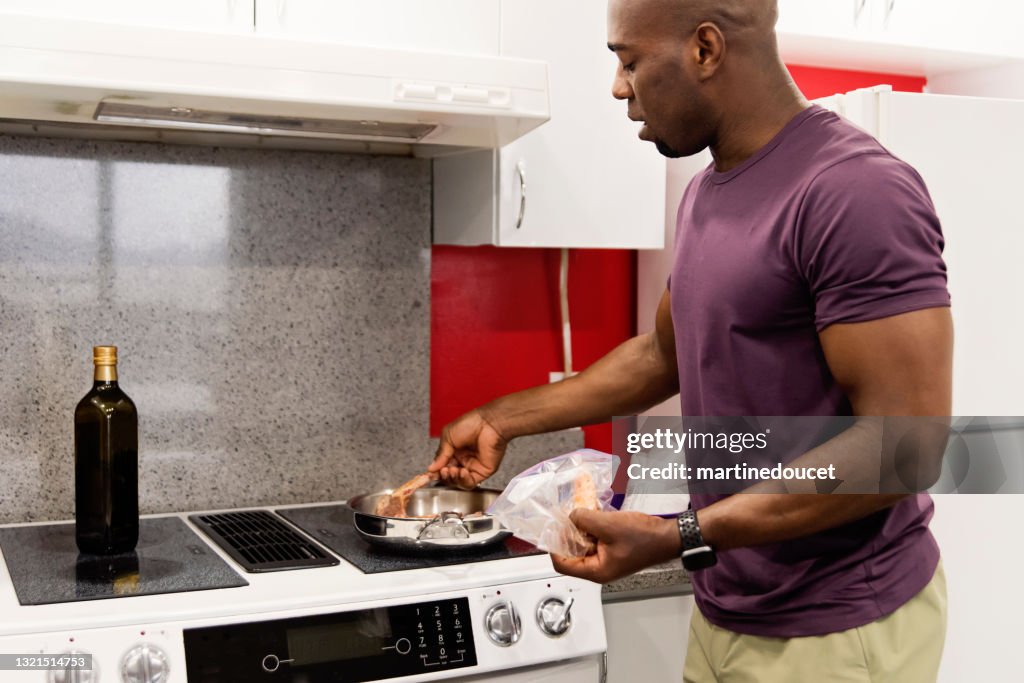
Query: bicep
<point>899,365</point>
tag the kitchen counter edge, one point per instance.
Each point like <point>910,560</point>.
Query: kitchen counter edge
<point>669,577</point>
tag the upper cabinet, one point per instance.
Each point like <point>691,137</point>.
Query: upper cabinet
<point>923,37</point>
<point>583,179</point>
<point>453,26</point>
<point>198,15</point>
<point>976,26</point>
<point>824,17</point>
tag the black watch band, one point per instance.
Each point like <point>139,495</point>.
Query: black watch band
<point>696,553</point>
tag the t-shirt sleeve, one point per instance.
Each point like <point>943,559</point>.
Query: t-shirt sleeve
<point>869,243</point>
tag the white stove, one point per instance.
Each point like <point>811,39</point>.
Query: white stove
<point>501,620</point>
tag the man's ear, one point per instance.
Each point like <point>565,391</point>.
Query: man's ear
<point>708,50</point>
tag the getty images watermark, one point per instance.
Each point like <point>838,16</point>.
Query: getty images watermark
<point>862,455</point>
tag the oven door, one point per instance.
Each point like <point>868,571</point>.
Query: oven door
<point>591,669</point>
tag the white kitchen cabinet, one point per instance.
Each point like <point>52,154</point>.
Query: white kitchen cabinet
<point>454,26</point>
<point>824,17</point>
<point>985,26</point>
<point>977,536</point>
<point>922,37</point>
<point>916,22</point>
<point>583,179</point>
<point>647,638</point>
<point>196,15</point>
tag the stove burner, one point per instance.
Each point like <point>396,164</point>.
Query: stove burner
<point>332,525</point>
<point>46,567</point>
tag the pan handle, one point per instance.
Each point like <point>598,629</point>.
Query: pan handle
<point>444,525</point>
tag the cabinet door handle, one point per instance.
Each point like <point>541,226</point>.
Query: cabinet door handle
<point>858,9</point>
<point>521,172</point>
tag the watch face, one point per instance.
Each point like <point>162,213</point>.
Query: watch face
<point>699,561</point>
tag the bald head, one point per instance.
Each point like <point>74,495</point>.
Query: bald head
<point>743,20</point>
<point>686,66</point>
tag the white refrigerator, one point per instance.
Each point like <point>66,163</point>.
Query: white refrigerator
<point>970,152</point>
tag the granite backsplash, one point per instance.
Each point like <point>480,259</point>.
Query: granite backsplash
<point>271,310</point>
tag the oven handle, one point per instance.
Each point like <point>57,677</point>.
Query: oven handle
<point>602,676</point>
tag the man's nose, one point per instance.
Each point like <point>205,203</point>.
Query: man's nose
<point>621,89</point>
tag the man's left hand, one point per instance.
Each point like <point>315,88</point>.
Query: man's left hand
<point>626,543</point>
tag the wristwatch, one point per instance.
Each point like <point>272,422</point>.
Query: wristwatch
<point>696,553</point>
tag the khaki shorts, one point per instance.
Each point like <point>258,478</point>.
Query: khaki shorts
<point>903,647</point>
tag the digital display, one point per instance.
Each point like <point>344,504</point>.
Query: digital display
<point>365,636</point>
<point>343,647</point>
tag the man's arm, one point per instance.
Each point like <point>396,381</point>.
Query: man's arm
<point>901,365</point>
<point>634,376</point>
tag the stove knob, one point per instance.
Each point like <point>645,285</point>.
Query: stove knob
<point>503,625</point>
<point>553,616</point>
<point>144,664</point>
<point>70,675</point>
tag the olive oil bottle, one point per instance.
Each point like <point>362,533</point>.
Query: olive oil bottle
<point>106,463</point>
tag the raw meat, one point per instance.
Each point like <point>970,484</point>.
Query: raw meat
<point>584,493</point>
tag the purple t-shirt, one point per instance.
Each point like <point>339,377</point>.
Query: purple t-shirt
<point>823,225</point>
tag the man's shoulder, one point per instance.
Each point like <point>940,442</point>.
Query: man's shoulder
<point>842,157</point>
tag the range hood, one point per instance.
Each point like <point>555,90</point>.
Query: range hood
<point>128,82</point>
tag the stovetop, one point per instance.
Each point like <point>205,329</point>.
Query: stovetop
<point>159,597</point>
<point>46,567</point>
<point>332,525</point>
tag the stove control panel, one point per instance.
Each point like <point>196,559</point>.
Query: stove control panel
<point>503,624</point>
<point>358,645</point>
<point>554,616</point>
<point>469,632</point>
<point>145,664</point>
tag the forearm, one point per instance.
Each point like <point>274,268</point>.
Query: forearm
<point>631,378</point>
<point>871,461</point>
<point>758,518</point>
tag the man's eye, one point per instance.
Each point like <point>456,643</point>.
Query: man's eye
<point>629,67</point>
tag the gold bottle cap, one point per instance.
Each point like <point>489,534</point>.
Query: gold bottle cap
<point>104,355</point>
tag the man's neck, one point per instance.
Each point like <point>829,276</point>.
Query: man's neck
<point>748,126</point>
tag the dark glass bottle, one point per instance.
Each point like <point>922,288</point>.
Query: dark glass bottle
<point>106,463</point>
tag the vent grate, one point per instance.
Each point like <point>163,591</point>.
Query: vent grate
<point>261,542</point>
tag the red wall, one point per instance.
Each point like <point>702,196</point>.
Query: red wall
<point>495,325</point>
<point>815,82</point>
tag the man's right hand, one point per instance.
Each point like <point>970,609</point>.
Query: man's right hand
<point>471,450</point>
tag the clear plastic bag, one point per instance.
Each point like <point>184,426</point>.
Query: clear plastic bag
<point>535,505</point>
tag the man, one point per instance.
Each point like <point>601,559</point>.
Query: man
<point>808,280</point>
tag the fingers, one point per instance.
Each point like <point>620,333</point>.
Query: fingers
<point>464,479</point>
<point>597,523</point>
<point>458,476</point>
<point>565,565</point>
<point>589,567</point>
<point>445,451</point>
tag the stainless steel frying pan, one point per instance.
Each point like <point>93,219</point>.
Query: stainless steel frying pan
<point>441,518</point>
